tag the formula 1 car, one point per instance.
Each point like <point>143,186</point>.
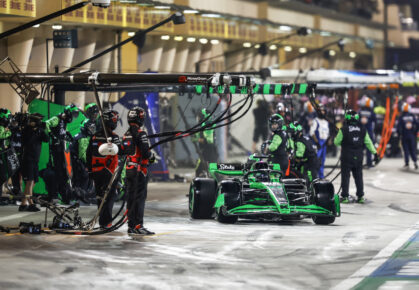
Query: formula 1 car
<point>257,190</point>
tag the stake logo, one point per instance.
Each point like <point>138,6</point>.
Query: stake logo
<point>226,167</point>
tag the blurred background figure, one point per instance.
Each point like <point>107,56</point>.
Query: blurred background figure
<point>319,132</point>
<point>407,128</point>
<point>307,117</point>
<point>261,114</point>
<point>206,143</point>
<point>369,120</point>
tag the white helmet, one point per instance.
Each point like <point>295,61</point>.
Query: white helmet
<point>280,107</point>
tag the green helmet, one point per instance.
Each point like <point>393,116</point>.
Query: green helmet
<point>295,128</point>
<point>205,113</point>
<point>5,115</point>
<point>92,110</point>
<point>351,116</point>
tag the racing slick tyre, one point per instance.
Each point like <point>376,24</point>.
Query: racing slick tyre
<point>324,197</point>
<point>202,195</point>
<point>232,197</point>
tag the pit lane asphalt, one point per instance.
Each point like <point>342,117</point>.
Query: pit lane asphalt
<point>196,254</point>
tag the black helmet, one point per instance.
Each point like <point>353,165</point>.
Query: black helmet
<point>70,112</point>
<point>351,116</point>
<point>137,116</point>
<point>88,127</point>
<point>276,119</point>
<point>92,111</point>
<point>111,118</point>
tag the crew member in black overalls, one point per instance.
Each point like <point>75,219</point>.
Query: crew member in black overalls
<point>103,167</point>
<point>57,127</point>
<point>407,127</point>
<point>278,143</point>
<point>306,159</point>
<point>352,137</point>
<point>135,145</point>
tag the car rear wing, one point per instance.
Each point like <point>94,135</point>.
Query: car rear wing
<point>231,169</point>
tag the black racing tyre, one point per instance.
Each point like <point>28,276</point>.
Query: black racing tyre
<point>324,200</point>
<point>323,220</point>
<point>202,195</point>
<point>324,196</point>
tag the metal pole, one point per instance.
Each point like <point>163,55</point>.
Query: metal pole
<point>385,33</point>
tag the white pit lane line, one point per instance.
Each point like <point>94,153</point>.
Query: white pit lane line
<point>378,260</point>
<point>18,215</point>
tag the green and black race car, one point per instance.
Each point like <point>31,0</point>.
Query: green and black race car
<point>257,190</point>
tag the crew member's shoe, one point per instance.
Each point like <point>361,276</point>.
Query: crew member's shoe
<point>344,199</point>
<point>33,208</point>
<point>360,200</point>
<point>102,227</point>
<point>140,230</point>
<point>416,166</point>
<point>23,207</point>
<point>406,166</point>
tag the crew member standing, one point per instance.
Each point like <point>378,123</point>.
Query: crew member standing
<point>103,167</point>
<point>368,119</point>
<point>407,127</point>
<point>206,142</point>
<point>278,147</point>
<point>319,132</point>
<point>32,137</point>
<point>261,114</point>
<point>352,137</point>
<point>57,127</point>
<point>135,145</point>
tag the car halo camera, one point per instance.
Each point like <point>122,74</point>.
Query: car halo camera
<point>101,3</point>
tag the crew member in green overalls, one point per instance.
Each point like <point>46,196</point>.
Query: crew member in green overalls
<point>207,147</point>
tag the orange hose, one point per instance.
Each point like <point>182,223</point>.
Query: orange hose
<point>385,126</point>
<point>390,128</point>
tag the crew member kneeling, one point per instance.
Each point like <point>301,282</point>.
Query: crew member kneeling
<point>135,145</point>
<point>305,153</point>
<point>352,137</point>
